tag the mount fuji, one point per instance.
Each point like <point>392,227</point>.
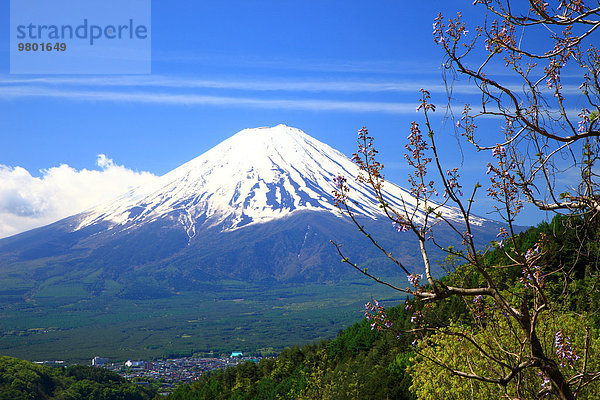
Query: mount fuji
<point>258,206</point>
<point>256,212</point>
<point>256,176</point>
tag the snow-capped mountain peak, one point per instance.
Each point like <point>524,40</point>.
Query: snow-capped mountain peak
<point>255,176</point>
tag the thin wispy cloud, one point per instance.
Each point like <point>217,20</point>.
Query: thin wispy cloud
<point>358,66</point>
<point>261,85</point>
<point>253,93</point>
<point>15,92</point>
<point>190,99</point>
<point>248,85</point>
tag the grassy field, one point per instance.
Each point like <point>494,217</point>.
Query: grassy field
<point>62,321</point>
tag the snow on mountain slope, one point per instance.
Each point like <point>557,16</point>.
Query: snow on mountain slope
<point>255,176</point>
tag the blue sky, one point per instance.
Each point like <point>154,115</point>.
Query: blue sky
<point>326,67</point>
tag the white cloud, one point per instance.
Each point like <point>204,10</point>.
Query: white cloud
<point>432,84</point>
<point>261,94</point>
<point>11,92</point>
<point>27,201</point>
<point>259,85</point>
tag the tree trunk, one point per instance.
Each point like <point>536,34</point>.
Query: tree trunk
<point>546,365</point>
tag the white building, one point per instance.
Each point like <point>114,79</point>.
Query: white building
<point>98,361</point>
<point>134,364</point>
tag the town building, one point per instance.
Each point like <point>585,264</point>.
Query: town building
<point>99,361</point>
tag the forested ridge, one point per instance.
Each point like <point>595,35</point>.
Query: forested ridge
<point>368,361</point>
<point>20,380</point>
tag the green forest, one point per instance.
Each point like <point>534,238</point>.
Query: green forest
<point>364,362</point>
<point>26,380</point>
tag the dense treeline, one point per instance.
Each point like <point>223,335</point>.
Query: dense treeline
<point>363,363</point>
<point>25,380</point>
<point>358,363</point>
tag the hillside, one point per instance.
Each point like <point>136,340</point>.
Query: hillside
<point>25,380</point>
<point>362,363</point>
